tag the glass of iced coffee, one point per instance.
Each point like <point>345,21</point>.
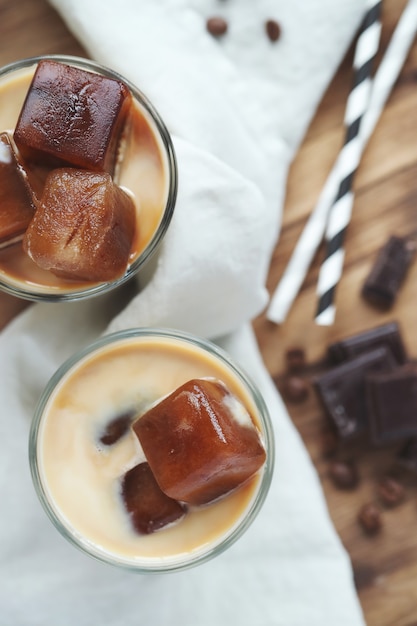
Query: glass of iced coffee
<point>151,450</point>
<point>88,179</point>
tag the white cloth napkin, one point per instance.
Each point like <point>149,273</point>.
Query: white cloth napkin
<point>237,109</point>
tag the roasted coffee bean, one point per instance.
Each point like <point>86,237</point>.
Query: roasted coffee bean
<point>295,389</point>
<point>295,359</point>
<point>344,474</point>
<point>217,26</point>
<point>391,492</point>
<point>370,519</point>
<point>273,30</point>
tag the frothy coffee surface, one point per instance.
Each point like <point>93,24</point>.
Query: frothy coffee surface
<point>143,172</point>
<point>81,476</point>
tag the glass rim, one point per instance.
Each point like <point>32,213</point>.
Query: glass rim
<point>174,563</point>
<point>51,295</point>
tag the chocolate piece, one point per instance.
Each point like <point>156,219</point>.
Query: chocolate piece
<point>16,201</point>
<point>342,390</point>
<point>295,359</point>
<point>344,474</point>
<point>389,270</point>
<point>273,30</point>
<point>388,335</point>
<point>391,492</point>
<point>392,404</point>
<point>407,456</point>
<point>217,26</point>
<point>295,389</point>
<point>117,428</point>
<point>83,228</point>
<point>370,519</point>
<point>200,442</point>
<point>72,117</point>
<point>150,509</point>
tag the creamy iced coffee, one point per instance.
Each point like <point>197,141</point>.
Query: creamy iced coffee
<point>85,446</point>
<point>140,171</point>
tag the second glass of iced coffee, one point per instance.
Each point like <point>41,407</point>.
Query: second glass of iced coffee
<point>88,179</point>
<point>151,450</point>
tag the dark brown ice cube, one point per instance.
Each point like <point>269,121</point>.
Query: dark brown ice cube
<point>150,509</point>
<point>117,427</point>
<point>16,201</point>
<point>83,228</point>
<point>199,443</point>
<point>72,117</point>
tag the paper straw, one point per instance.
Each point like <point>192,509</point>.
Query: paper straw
<point>313,232</point>
<point>340,212</point>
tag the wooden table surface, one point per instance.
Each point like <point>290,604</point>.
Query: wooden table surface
<point>385,203</point>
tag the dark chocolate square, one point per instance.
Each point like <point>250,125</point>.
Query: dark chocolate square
<point>388,272</point>
<point>392,404</point>
<point>388,335</point>
<point>407,456</point>
<point>342,390</point>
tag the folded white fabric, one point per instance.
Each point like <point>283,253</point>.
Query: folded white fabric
<point>238,108</point>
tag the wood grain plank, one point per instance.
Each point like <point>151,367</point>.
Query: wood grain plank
<point>385,186</point>
<point>31,28</point>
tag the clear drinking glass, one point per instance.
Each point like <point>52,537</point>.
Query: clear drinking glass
<point>18,275</point>
<point>117,369</point>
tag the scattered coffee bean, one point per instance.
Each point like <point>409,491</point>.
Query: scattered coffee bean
<point>344,474</point>
<point>273,30</point>
<point>391,492</point>
<point>370,519</point>
<point>295,389</point>
<point>295,359</point>
<point>217,26</point>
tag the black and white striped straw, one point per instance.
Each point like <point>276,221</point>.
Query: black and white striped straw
<point>341,209</point>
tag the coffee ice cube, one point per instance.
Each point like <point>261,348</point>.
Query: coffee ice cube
<point>72,117</point>
<point>200,442</point>
<point>117,427</point>
<point>16,201</point>
<point>150,509</point>
<point>83,228</point>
